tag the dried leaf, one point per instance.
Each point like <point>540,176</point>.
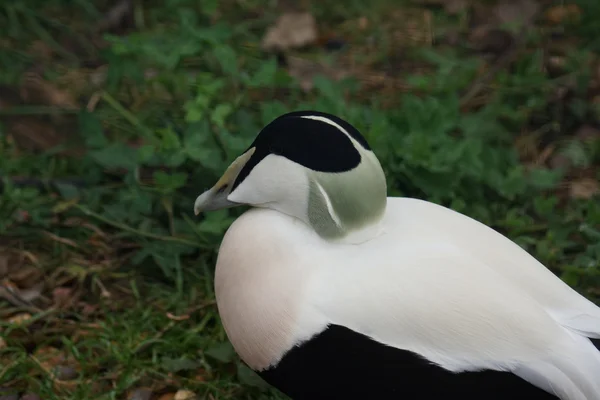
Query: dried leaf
<point>49,357</point>
<point>61,296</point>
<point>306,70</point>
<point>25,275</point>
<point>32,293</point>
<point>584,188</point>
<point>588,133</point>
<point>486,38</point>
<point>34,133</point>
<point>167,396</point>
<point>37,90</point>
<point>115,16</point>
<point>30,396</point>
<point>88,309</point>
<point>363,23</point>
<point>140,394</point>
<point>177,317</point>
<point>65,373</point>
<point>291,30</point>
<point>454,7</point>
<point>517,13</point>
<point>563,13</point>
<point>19,319</point>
<point>185,395</point>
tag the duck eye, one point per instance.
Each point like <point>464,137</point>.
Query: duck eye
<point>222,188</point>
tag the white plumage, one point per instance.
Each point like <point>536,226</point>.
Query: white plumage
<point>417,286</point>
<point>428,280</point>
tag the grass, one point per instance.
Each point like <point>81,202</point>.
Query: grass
<point>108,135</point>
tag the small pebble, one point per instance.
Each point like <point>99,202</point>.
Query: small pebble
<point>65,373</point>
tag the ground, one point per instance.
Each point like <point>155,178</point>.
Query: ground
<point>116,114</point>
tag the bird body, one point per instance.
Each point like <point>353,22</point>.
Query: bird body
<point>326,298</point>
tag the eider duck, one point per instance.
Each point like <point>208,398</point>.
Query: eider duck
<point>330,289</point>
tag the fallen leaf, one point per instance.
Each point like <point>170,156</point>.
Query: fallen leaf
<point>99,76</point>
<point>2,343</point>
<point>363,23</point>
<point>291,30</point>
<point>115,15</point>
<point>556,65</point>
<point>19,319</point>
<point>49,357</point>
<point>37,90</point>
<point>584,188</point>
<point>32,293</point>
<point>587,133</point>
<point>517,13</point>
<point>25,275</point>
<point>488,39</point>
<point>177,317</point>
<point>305,71</point>
<point>61,296</point>
<point>88,309</point>
<point>140,394</point>
<point>64,373</point>
<point>34,133</point>
<point>563,13</point>
<point>454,7</point>
<point>185,395</point>
<point>167,396</point>
<point>30,396</point>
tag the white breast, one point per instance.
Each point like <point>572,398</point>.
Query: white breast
<point>262,276</point>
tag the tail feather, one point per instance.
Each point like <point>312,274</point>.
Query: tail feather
<point>596,342</point>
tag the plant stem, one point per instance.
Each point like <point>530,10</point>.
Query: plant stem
<point>130,229</point>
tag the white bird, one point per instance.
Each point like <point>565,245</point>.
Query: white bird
<point>329,289</point>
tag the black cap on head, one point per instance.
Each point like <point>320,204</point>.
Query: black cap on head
<point>313,143</point>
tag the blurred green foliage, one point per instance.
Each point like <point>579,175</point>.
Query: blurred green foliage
<point>206,91</point>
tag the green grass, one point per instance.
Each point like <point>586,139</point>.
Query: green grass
<point>183,93</point>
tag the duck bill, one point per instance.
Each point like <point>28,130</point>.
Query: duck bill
<point>215,198</point>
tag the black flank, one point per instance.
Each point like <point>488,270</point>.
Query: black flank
<point>312,144</point>
<point>342,364</point>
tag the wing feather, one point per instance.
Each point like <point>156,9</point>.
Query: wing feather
<point>440,302</point>
<point>434,222</point>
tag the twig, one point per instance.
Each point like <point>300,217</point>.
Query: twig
<point>128,228</point>
<point>128,115</point>
<point>503,61</point>
<point>154,339</point>
<point>14,298</point>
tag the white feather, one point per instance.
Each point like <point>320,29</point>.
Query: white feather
<point>435,282</point>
